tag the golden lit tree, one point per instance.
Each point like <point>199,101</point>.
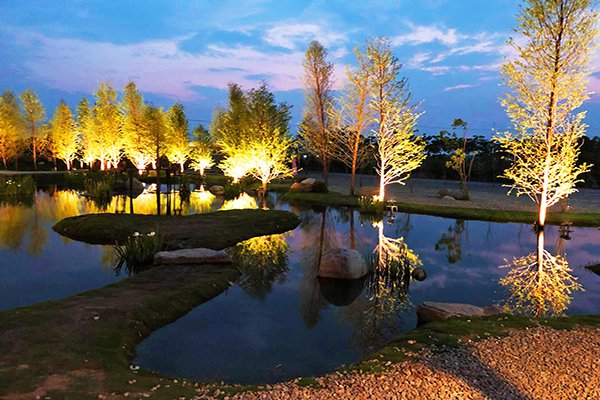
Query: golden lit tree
<point>398,151</point>
<point>178,146</point>
<point>202,150</point>
<point>548,81</point>
<point>107,126</point>
<point>158,130</point>
<point>318,87</point>
<point>269,158</point>
<point>33,114</point>
<point>352,117</point>
<point>63,135</point>
<point>90,145</point>
<point>460,161</point>
<point>137,141</point>
<point>10,127</point>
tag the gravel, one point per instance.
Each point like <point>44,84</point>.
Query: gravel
<point>540,363</point>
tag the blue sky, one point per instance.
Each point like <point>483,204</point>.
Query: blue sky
<point>190,50</point>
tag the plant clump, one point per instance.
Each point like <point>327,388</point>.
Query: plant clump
<point>16,185</point>
<point>371,205</point>
<point>137,254</point>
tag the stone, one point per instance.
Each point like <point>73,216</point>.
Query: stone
<point>217,190</point>
<point>192,256</point>
<point>309,181</point>
<point>419,274</point>
<point>459,195</point>
<point>368,191</point>
<point>300,187</point>
<point>134,185</point>
<point>444,192</point>
<point>448,198</point>
<point>430,311</point>
<point>341,292</point>
<point>342,264</point>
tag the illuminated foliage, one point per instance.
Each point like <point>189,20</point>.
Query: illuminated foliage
<point>548,79</point>
<point>398,151</point>
<point>90,145</point>
<point>158,130</point>
<point>137,141</point>
<point>353,117</point>
<point>33,114</point>
<point>177,146</point>
<point>318,83</point>
<point>243,201</point>
<point>202,149</point>
<point>107,127</point>
<point>63,135</point>
<point>10,127</point>
<point>460,161</point>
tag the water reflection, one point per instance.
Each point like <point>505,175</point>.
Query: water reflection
<point>541,283</point>
<point>243,201</point>
<point>451,241</point>
<point>262,262</point>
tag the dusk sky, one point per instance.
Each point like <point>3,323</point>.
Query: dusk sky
<point>189,50</point>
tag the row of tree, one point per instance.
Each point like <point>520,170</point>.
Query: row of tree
<point>102,133</point>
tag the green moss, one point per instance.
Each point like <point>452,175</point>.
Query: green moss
<point>215,230</point>
<point>338,199</point>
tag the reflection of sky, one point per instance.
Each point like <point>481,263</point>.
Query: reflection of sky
<point>292,330</point>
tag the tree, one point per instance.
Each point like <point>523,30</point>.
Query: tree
<point>63,135</point>
<point>157,124</point>
<point>137,142</point>
<point>177,147</point>
<point>10,127</point>
<point>201,154</point>
<point>107,126</point>
<point>318,86</point>
<point>460,161</point>
<point>398,152</point>
<point>90,145</point>
<point>33,114</point>
<point>548,78</point>
<point>353,117</point>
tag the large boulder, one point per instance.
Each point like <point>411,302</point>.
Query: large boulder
<point>217,190</point>
<point>192,256</point>
<point>308,181</point>
<point>133,185</point>
<point>301,187</point>
<point>453,194</point>
<point>342,264</point>
<point>430,311</point>
<point>341,292</point>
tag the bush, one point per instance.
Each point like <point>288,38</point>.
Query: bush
<point>138,252</point>
<point>13,185</point>
<point>371,205</point>
<point>232,190</point>
<point>319,187</point>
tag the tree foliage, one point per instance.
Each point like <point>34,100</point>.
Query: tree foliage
<point>137,143</point>
<point>63,134</point>
<point>33,115</point>
<point>10,127</point>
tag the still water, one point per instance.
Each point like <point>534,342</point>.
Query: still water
<point>279,321</point>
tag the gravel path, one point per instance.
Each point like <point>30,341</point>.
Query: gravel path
<point>483,195</point>
<point>540,363</point>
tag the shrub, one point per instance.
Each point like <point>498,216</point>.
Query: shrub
<point>138,252</point>
<point>16,185</point>
<point>371,205</point>
<point>319,187</point>
<point>232,190</point>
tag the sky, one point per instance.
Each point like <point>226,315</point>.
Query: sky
<point>189,51</point>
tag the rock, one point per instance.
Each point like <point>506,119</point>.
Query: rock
<point>430,311</point>
<point>134,185</point>
<point>419,274</point>
<point>309,181</point>
<point>444,192</point>
<point>341,292</point>
<point>367,191</point>
<point>217,190</point>
<point>342,264</point>
<point>448,198</point>
<point>459,195</point>
<point>300,187</point>
<point>192,256</point>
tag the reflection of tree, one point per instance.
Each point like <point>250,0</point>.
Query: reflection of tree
<point>14,222</point>
<point>317,236</point>
<point>540,283</point>
<point>262,261</point>
<point>376,315</point>
<point>200,201</point>
<point>243,201</point>
<point>451,241</point>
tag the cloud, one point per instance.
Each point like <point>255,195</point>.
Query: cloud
<point>458,87</point>
<point>292,36</point>
<point>420,34</point>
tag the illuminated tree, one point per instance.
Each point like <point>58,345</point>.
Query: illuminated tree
<point>460,161</point>
<point>33,114</point>
<point>107,126</point>
<point>63,135</point>
<point>318,86</point>
<point>398,151</point>
<point>548,78</point>
<point>90,145</point>
<point>137,141</point>
<point>10,127</point>
<point>352,117</point>
<point>177,146</point>
<point>202,149</point>
<point>157,125</point>
<point>268,158</point>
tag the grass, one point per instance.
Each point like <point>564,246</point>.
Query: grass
<point>217,230</point>
<point>16,185</point>
<point>338,199</point>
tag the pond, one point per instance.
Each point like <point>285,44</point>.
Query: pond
<point>279,321</point>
